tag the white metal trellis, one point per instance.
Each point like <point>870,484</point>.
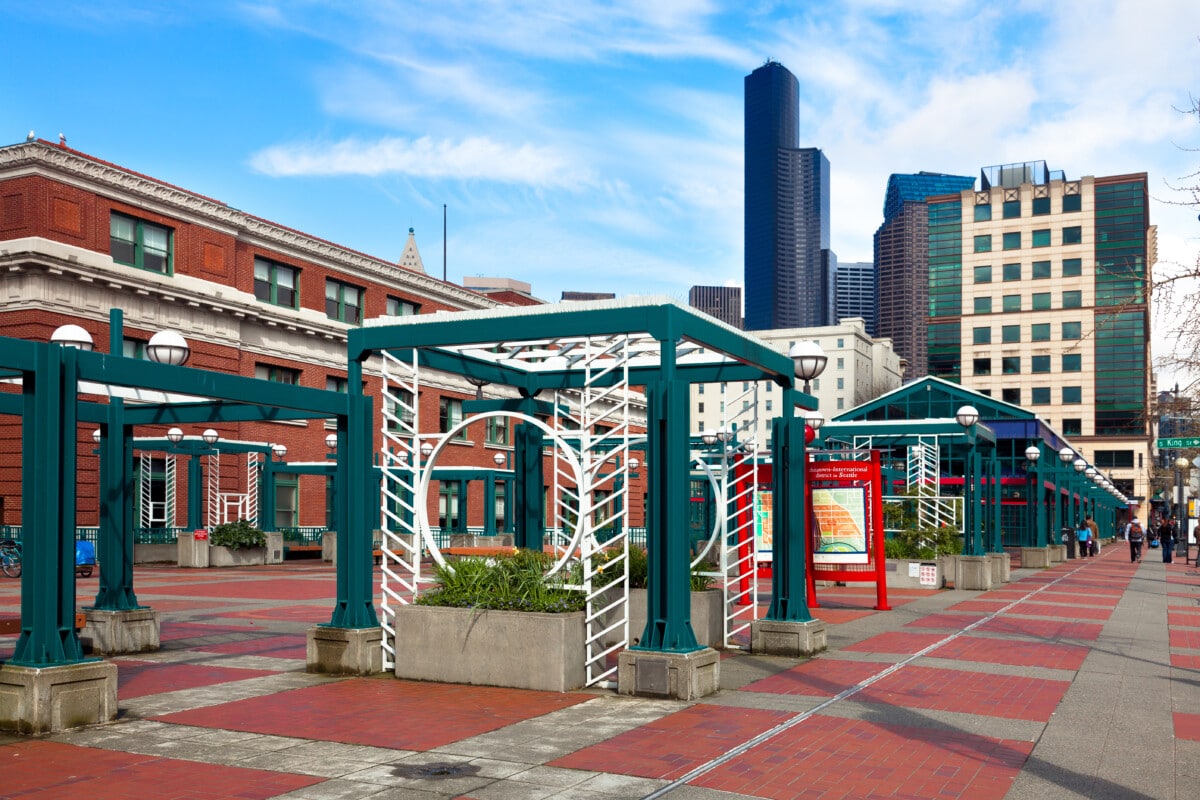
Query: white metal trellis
<point>213,497</point>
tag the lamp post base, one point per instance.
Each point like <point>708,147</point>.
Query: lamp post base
<point>1035,557</point>
<point>674,676</point>
<point>112,633</point>
<point>793,639</point>
<point>39,700</point>
<point>973,573</point>
<point>344,651</point>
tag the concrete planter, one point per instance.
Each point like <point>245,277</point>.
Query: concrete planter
<point>241,557</point>
<point>155,553</point>
<point>905,573</point>
<point>515,649</point>
<point>708,620</point>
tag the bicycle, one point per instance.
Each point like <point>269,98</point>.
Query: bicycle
<point>10,557</point>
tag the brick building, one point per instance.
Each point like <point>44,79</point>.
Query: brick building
<point>80,236</point>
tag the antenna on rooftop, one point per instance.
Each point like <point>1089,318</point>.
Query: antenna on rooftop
<point>62,140</point>
<point>31,136</point>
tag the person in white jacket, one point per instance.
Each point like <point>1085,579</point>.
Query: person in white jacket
<point>1135,534</point>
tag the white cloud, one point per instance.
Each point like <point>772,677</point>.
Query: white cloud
<point>476,158</point>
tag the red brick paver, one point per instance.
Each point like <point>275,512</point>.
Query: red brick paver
<point>1187,726</point>
<point>1053,629</point>
<point>380,712</point>
<point>271,646</point>
<point>1061,611</point>
<point>998,651</point>
<point>1185,638</point>
<point>672,746</point>
<point>1007,696</point>
<point>896,642</point>
<point>141,678</point>
<point>821,677</point>
<point>842,759</point>
<point>953,622</point>
<point>38,770</point>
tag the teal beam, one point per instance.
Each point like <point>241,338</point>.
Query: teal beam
<point>218,411</point>
<point>530,500</point>
<point>195,494</point>
<point>116,514</point>
<point>972,544</point>
<point>790,497</point>
<point>48,469</point>
<point>995,536</point>
<point>356,511</point>
<point>668,585</point>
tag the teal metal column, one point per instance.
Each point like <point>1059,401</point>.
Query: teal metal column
<point>972,540</point>
<point>489,504</point>
<point>48,478</point>
<point>668,585</point>
<point>1038,500</point>
<point>266,505</point>
<point>994,494</point>
<point>529,501</point>
<point>791,522</point>
<point>355,509</point>
<point>195,494</point>
<point>116,514</point>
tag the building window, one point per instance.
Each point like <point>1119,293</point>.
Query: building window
<point>133,348</point>
<point>1012,302</point>
<point>276,283</point>
<point>1072,267</point>
<point>1040,396</point>
<point>1072,427</point>
<point>983,305</point>
<point>1072,202</point>
<point>1010,334</point>
<point>1114,459</point>
<point>1011,396</point>
<point>1041,301</point>
<point>450,413</point>
<point>1072,235</point>
<point>841,403</point>
<point>449,518</point>
<point>397,407</point>
<point>336,384</point>
<point>700,408</point>
<point>1041,238</point>
<point>983,244</point>
<point>983,213</point>
<point>700,389</point>
<point>983,366</point>
<point>287,500</point>
<point>1010,365</point>
<point>496,431</point>
<point>268,372</point>
<point>1012,241</point>
<point>746,403</point>
<point>841,383</point>
<point>1041,206</point>
<point>137,243</point>
<point>501,499</point>
<point>1072,299</point>
<point>1072,362</point>
<point>841,363</point>
<point>1041,269</point>
<point>1072,395</point>
<point>983,274</point>
<point>1012,272</point>
<point>983,335</point>
<point>1039,364</point>
<point>770,405</point>
<point>401,308</point>
<point>1072,330</point>
<point>1012,209</point>
<point>1039,332</point>
<point>343,302</point>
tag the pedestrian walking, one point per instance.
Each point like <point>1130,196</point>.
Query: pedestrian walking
<point>1094,541</point>
<point>1135,534</point>
<point>1166,534</point>
<point>1083,535</point>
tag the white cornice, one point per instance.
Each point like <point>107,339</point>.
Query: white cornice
<point>72,167</point>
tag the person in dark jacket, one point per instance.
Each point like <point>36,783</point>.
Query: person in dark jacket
<point>1135,534</point>
<point>1166,536</point>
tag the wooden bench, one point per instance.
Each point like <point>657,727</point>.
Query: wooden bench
<point>300,548</point>
<point>10,625</point>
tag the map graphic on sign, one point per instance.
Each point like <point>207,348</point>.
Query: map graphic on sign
<point>840,517</point>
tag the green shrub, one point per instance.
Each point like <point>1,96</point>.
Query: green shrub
<point>514,582</point>
<point>926,543</point>
<point>235,535</point>
<point>608,566</point>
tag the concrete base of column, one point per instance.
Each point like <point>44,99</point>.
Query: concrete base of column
<point>1035,557</point>
<point>794,639</point>
<point>274,547</point>
<point>329,547</point>
<point>674,676</point>
<point>345,651</point>
<point>112,633</point>
<point>39,700</point>
<point>1058,553</point>
<point>1001,568</point>
<point>973,573</point>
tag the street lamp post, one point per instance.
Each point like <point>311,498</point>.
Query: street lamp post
<point>967,417</point>
<point>1181,464</point>
<point>1066,456</point>
<point>1037,528</point>
<point>810,361</point>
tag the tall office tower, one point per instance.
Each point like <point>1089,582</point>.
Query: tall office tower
<point>1037,296</point>
<point>902,263</point>
<point>856,293</point>
<point>722,302</point>
<point>787,277</point>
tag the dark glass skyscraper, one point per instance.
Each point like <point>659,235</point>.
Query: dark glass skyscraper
<point>902,263</point>
<point>789,266</point>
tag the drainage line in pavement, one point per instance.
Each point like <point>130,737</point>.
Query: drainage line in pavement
<point>850,692</point>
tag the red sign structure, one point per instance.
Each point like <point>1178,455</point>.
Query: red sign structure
<point>845,505</point>
<point>199,534</point>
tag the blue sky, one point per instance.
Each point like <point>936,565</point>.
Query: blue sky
<point>596,146</point>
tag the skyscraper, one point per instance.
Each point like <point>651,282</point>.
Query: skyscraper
<point>902,263</point>
<point>722,302</point>
<point>856,293</point>
<point>788,266</point>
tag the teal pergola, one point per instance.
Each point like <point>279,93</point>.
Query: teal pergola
<point>606,348</point>
<point>52,377</point>
<point>1028,501</point>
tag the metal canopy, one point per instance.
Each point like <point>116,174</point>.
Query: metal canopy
<point>513,346</point>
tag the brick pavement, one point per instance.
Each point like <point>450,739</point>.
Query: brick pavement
<point>1038,699</point>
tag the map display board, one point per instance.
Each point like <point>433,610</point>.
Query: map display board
<point>840,526</point>
<point>764,523</point>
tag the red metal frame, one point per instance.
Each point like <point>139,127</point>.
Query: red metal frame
<point>832,474</point>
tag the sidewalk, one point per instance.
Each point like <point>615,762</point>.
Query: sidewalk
<point>1077,681</point>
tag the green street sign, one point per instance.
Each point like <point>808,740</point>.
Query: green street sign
<point>1177,442</point>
